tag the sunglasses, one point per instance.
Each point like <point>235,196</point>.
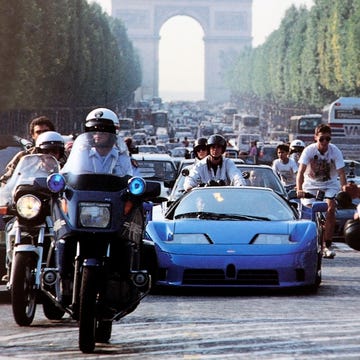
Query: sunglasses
<point>324,138</point>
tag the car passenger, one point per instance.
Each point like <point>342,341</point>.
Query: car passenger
<point>255,179</point>
<point>200,149</point>
<point>214,167</point>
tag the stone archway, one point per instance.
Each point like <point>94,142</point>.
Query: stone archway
<point>227,30</point>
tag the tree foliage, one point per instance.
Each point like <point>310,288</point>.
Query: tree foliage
<point>313,58</point>
<point>64,53</point>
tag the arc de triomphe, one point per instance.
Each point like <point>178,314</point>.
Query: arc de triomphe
<point>226,25</point>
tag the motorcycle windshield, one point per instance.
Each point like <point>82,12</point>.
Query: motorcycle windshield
<point>93,152</point>
<point>29,167</point>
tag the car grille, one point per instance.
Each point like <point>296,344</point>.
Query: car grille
<point>241,277</point>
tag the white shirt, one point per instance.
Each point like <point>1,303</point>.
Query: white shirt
<point>321,169</point>
<point>287,172</point>
<point>201,173</point>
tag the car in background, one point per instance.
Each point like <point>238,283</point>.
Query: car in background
<point>157,167</point>
<point>152,149</point>
<point>10,145</point>
<point>267,153</point>
<point>226,236</point>
<point>139,138</point>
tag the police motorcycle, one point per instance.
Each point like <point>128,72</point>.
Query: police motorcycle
<point>98,223</point>
<point>26,200</point>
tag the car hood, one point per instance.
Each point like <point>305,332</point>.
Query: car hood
<point>230,233</point>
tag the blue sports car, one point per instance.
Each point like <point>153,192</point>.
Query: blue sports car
<point>233,237</point>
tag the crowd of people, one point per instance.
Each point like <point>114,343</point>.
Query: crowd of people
<point>308,169</point>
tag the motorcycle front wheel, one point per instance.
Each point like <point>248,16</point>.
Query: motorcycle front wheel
<point>87,312</point>
<point>23,291</point>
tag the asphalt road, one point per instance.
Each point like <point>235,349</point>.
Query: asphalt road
<point>201,324</point>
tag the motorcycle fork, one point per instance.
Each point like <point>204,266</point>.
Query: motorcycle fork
<point>30,248</point>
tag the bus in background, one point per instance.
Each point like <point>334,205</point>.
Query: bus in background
<point>343,117</point>
<point>127,124</point>
<point>229,112</point>
<point>246,124</point>
<point>302,127</point>
<point>244,141</point>
<point>159,119</point>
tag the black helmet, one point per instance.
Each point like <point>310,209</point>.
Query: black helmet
<point>351,233</point>
<point>217,140</point>
<point>200,142</point>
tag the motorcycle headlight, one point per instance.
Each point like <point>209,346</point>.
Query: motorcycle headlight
<point>94,215</point>
<point>136,185</point>
<point>28,206</point>
<point>55,183</point>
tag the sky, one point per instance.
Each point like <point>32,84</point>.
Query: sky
<point>188,80</point>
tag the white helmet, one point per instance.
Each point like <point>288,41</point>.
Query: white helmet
<point>103,120</point>
<point>49,140</point>
<point>297,144</point>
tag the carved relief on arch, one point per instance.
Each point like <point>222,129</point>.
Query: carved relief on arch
<point>231,21</point>
<point>164,13</point>
<point>135,19</point>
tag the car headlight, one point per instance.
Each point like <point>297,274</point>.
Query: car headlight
<point>28,206</point>
<point>196,239</point>
<point>94,215</point>
<point>272,239</point>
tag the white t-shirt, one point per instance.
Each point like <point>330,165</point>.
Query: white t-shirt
<point>321,169</point>
<point>287,172</point>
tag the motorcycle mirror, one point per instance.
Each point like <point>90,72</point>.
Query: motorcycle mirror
<point>185,172</point>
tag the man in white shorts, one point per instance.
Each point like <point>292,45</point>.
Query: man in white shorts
<point>320,165</point>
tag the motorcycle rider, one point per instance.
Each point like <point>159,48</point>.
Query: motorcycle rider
<point>322,167</point>
<point>214,167</point>
<point>105,155</point>
<point>296,148</point>
<point>48,142</point>
<point>285,166</point>
<point>37,126</point>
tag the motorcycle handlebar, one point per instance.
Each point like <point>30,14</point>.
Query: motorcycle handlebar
<point>320,194</point>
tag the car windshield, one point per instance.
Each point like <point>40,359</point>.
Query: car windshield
<point>255,176</point>
<point>157,169</point>
<point>262,177</point>
<point>231,203</point>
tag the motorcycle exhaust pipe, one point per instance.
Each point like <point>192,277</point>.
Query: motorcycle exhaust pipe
<point>139,278</point>
<point>49,276</point>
